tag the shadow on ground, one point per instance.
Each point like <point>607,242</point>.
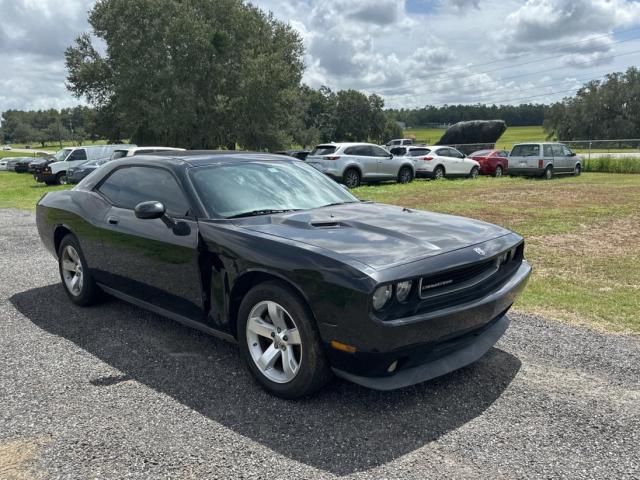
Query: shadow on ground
<point>343,429</point>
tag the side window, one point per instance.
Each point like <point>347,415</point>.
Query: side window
<point>80,154</point>
<point>548,151</point>
<point>566,151</point>
<point>442,152</point>
<point>456,154</point>
<point>127,187</point>
<point>352,151</point>
<point>557,151</point>
<point>377,152</point>
<point>143,152</point>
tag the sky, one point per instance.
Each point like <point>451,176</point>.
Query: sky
<point>411,52</point>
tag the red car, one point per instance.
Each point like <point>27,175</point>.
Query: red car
<point>492,162</point>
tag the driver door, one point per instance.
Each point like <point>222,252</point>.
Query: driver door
<point>144,258</point>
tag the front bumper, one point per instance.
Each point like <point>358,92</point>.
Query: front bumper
<point>470,330</point>
<point>446,359</point>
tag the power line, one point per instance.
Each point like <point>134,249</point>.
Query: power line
<point>559,47</point>
<point>506,67</point>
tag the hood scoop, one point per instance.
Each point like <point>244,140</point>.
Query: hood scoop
<point>328,224</point>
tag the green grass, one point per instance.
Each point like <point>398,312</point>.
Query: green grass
<point>20,190</point>
<point>55,146</point>
<point>612,164</point>
<point>11,154</point>
<point>582,234</point>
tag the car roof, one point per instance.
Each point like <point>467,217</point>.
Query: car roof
<point>198,158</point>
<point>346,144</point>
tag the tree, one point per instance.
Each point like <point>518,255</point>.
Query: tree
<point>353,116</point>
<point>192,73</point>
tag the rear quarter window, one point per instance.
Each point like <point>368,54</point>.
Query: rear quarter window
<point>525,150</point>
<point>324,150</point>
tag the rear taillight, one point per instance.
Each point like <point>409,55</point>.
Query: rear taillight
<point>427,159</point>
<point>333,157</point>
<point>540,163</point>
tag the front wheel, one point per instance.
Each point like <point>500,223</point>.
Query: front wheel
<point>405,175</point>
<point>577,170</point>
<point>475,171</point>
<point>280,343</point>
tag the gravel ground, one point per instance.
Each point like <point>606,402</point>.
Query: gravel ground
<point>116,392</point>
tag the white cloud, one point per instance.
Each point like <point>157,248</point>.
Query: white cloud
<point>412,52</point>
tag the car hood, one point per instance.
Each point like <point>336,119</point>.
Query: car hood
<point>377,235</point>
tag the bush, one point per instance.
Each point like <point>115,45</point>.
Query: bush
<point>612,164</point>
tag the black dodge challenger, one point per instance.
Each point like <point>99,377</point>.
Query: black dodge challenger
<point>266,251</point>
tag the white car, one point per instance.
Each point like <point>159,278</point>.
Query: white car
<point>434,161</point>
<point>3,164</point>
<point>134,151</point>
<point>6,147</point>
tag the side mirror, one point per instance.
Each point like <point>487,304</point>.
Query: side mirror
<point>573,154</point>
<point>390,155</point>
<point>150,210</point>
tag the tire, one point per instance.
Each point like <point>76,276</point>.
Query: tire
<point>548,173</point>
<point>352,178</point>
<point>308,370</point>
<point>438,172</point>
<point>577,170</point>
<point>75,274</point>
<point>61,178</point>
<point>405,175</point>
<point>475,171</point>
<point>499,172</point>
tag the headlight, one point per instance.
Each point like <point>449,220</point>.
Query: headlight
<point>402,290</point>
<point>381,296</point>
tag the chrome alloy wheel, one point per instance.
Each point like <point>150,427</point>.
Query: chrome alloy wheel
<point>72,270</point>
<point>274,342</point>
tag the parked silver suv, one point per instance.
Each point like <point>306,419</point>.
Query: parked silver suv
<point>543,159</point>
<point>355,163</point>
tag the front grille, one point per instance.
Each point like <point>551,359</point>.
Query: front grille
<point>457,286</point>
<point>469,283</point>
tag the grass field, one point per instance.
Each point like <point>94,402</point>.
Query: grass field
<point>55,146</point>
<point>582,234</point>
<point>511,136</point>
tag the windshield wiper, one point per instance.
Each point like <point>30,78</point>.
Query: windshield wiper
<point>256,213</point>
<point>337,203</point>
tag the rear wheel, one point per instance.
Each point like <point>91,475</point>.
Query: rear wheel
<point>405,175</point>
<point>548,173</point>
<point>498,172</point>
<point>75,274</point>
<point>352,178</point>
<point>279,341</point>
<point>577,170</point>
<point>438,173</point>
<point>475,171</point>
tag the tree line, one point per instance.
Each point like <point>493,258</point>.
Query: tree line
<point>50,126</point>
<point>526,114</point>
<point>607,109</point>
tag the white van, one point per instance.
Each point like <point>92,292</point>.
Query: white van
<point>56,172</point>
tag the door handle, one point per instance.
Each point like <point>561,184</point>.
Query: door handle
<point>112,220</point>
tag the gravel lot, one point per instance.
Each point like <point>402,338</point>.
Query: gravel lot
<point>115,392</point>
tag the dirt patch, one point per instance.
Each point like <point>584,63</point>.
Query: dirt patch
<point>16,457</point>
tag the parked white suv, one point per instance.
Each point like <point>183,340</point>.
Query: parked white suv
<point>438,161</point>
<point>355,163</point>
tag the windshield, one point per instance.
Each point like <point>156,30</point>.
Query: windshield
<point>60,155</point>
<point>481,153</point>
<point>240,188</point>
